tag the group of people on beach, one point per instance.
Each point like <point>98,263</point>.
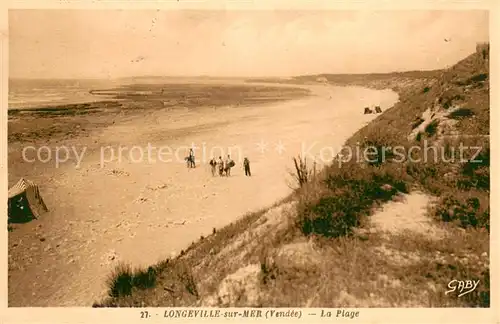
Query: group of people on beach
<point>222,166</point>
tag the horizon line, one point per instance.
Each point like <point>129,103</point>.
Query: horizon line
<point>226,77</point>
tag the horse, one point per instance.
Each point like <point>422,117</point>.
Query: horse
<point>190,161</point>
<point>227,167</point>
<point>221,169</point>
<point>227,170</point>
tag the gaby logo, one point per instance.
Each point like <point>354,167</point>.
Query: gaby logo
<point>463,287</point>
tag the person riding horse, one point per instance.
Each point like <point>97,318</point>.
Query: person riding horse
<point>190,159</point>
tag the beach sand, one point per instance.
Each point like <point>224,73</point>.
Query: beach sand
<point>145,211</point>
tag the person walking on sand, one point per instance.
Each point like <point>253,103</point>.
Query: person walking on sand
<point>221,166</point>
<point>246,165</point>
<point>191,158</point>
<point>228,165</point>
<point>213,165</point>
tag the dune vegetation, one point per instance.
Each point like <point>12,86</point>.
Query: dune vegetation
<point>389,232</point>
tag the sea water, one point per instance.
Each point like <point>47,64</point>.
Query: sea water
<point>31,93</point>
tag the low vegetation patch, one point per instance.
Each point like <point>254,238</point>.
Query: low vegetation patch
<point>319,259</point>
<point>123,280</point>
<point>461,113</point>
<point>302,173</point>
<point>475,174</point>
<point>465,210</point>
<point>479,77</point>
<point>350,194</point>
<point>432,128</point>
<point>473,80</point>
<point>120,282</point>
<point>418,121</point>
<point>450,97</point>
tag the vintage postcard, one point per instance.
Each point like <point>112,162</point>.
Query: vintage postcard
<point>249,161</point>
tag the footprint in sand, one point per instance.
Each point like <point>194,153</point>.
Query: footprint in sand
<point>141,200</point>
<point>118,173</point>
<point>158,187</point>
<point>177,223</point>
<point>109,258</point>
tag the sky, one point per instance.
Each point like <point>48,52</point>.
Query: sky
<point>121,43</point>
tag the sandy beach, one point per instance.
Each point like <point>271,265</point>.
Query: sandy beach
<point>367,134</point>
<point>140,211</point>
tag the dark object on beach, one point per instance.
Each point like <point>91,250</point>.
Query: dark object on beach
<point>246,165</point>
<point>190,161</point>
<point>213,165</point>
<point>227,168</point>
<point>24,202</point>
<point>378,110</point>
<point>220,163</point>
<point>368,111</point>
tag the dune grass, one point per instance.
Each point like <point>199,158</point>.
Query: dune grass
<point>348,194</point>
<point>123,280</point>
<point>346,268</point>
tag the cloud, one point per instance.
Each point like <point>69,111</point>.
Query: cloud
<point>103,43</point>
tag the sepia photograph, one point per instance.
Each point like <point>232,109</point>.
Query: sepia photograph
<point>248,158</point>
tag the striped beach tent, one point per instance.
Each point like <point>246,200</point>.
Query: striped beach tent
<point>25,201</point>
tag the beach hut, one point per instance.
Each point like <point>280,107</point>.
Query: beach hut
<point>25,202</point>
